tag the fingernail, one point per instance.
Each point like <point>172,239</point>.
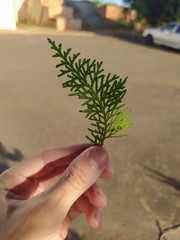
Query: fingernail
<point>99,157</point>
<point>102,200</point>
<point>97,217</point>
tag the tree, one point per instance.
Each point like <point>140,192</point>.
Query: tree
<point>169,12</point>
<point>98,3</point>
<point>156,11</point>
<point>178,12</point>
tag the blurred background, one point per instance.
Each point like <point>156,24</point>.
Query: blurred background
<point>68,14</point>
<point>36,113</point>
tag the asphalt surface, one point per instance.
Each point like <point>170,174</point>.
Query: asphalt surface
<point>35,113</point>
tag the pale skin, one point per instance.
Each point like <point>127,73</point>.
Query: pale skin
<point>39,197</point>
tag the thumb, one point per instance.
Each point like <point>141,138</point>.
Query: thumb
<point>79,176</point>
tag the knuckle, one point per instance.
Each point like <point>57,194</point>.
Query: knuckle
<point>76,177</point>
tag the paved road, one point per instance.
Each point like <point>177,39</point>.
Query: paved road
<point>35,112</point>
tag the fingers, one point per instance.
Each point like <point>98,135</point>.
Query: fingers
<point>82,205</point>
<point>90,204</point>
<point>44,165</point>
<point>96,196</point>
<point>73,151</point>
<point>78,177</point>
<point>93,214</point>
<point>93,199</point>
<point>108,172</point>
<point>94,219</point>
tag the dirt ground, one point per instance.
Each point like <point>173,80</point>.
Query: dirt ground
<point>37,113</point>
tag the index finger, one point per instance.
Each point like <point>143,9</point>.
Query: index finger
<point>44,163</point>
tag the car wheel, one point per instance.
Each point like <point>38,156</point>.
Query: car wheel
<point>149,40</point>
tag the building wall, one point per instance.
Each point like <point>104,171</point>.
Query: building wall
<point>7,15</point>
<point>102,10</point>
<point>18,4</point>
<point>112,12</point>
<point>32,12</point>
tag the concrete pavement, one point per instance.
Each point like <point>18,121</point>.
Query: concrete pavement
<point>37,113</point>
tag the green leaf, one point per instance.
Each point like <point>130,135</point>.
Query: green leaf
<point>102,94</point>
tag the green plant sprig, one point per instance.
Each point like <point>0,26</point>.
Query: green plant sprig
<point>102,94</point>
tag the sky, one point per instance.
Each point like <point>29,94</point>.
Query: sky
<point>117,2</point>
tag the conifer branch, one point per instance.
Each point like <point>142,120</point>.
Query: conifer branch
<point>102,94</point>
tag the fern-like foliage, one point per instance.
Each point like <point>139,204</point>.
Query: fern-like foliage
<point>102,94</point>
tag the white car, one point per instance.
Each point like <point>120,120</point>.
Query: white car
<point>167,35</point>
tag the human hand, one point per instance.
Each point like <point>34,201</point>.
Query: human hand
<point>40,197</point>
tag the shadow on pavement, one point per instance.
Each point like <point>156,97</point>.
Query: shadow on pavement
<point>165,233</point>
<point>5,155</point>
<point>135,38</point>
<point>173,182</point>
<point>72,235</point>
